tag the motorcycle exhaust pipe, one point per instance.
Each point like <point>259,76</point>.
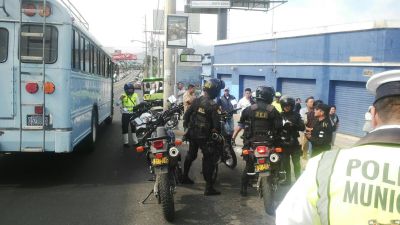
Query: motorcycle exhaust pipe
<point>274,157</point>
<point>173,152</point>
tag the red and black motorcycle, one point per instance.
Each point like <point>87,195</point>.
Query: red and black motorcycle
<point>163,157</point>
<point>268,171</point>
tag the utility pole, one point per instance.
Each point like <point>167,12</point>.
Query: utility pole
<point>151,54</point>
<point>169,70</point>
<point>159,58</point>
<point>222,24</point>
<point>146,64</point>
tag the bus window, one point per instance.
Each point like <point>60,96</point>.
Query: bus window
<point>87,56</point>
<point>32,46</point>
<point>95,61</point>
<point>3,45</point>
<point>82,50</point>
<point>91,61</point>
<point>105,66</point>
<point>101,64</point>
<point>75,51</point>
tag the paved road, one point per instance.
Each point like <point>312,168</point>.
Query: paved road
<point>106,186</point>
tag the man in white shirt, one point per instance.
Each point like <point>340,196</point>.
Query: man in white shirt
<point>246,100</point>
<point>180,93</point>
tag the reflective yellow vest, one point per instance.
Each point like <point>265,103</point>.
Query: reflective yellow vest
<point>129,102</point>
<point>277,105</point>
<point>359,186</point>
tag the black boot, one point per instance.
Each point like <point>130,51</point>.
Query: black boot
<point>210,190</point>
<point>243,190</point>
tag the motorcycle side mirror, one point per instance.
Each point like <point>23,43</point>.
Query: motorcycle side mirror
<point>172,99</point>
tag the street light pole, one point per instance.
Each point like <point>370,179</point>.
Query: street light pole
<point>145,57</point>
<point>169,78</point>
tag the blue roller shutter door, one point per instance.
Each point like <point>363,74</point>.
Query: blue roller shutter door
<point>250,82</point>
<point>298,88</point>
<point>352,101</point>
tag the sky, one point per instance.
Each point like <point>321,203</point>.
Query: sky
<point>115,23</point>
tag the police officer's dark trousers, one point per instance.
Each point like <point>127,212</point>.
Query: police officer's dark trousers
<point>190,157</point>
<point>209,161</point>
<point>293,151</point>
<point>125,123</point>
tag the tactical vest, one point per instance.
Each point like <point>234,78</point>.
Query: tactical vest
<point>129,101</point>
<point>260,126</point>
<point>200,122</point>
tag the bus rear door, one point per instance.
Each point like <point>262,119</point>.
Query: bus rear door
<point>7,70</point>
<point>8,76</point>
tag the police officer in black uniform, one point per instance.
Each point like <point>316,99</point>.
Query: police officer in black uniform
<point>292,124</point>
<point>202,120</point>
<point>320,135</point>
<point>261,122</point>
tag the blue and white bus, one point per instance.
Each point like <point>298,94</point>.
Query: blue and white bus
<point>53,70</point>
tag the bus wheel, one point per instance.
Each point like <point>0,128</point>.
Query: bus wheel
<point>109,120</point>
<point>92,137</point>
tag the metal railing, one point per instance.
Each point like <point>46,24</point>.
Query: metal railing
<point>75,12</point>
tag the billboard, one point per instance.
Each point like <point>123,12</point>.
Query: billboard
<point>190,58</point>
<point>177,30</point>
<point>119,56</point>
<point>193,22</point>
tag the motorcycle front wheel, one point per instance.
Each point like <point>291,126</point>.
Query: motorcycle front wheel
<point>166,196</point>
<point>268,196</point>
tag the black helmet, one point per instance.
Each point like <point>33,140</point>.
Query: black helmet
<point>287,101</point>
<point>213,86</point>
<point>129,88</point>
<point>265,93</point>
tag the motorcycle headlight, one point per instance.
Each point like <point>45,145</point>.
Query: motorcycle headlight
<point>274,157</point>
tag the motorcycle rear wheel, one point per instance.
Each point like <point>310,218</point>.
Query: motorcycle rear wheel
<point>268,196</point>
<point>166,196</point>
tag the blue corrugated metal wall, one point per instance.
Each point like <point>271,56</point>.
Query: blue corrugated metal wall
<point>352,101</point>
<point>252,82</point>
<point>297,88</point>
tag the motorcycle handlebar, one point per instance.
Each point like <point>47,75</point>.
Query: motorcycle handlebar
<point>161,120</point>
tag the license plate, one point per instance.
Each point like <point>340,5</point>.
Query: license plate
<point>162,161</point>
<point>36,120</point>
<point>262,167</point>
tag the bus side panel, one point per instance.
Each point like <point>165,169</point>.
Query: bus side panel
<point>88,91</point>
<point>105,104</point>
